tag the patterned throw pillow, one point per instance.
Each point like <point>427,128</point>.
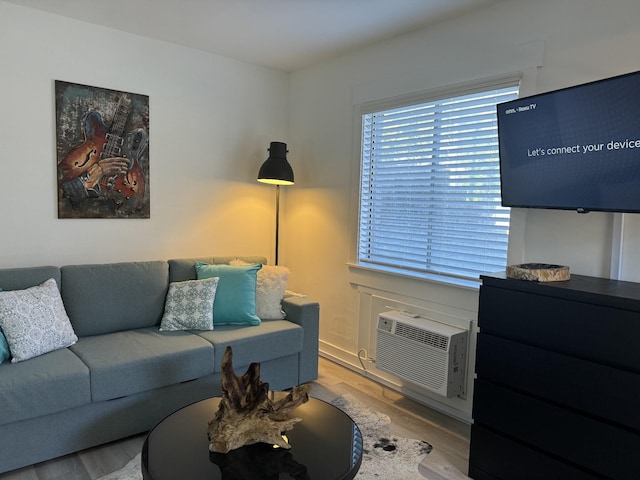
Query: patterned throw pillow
<point>270,287</point>
<point>189,305</point>
<point>34,321</point>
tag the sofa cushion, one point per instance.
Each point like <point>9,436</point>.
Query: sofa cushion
<point>133,361</point>
<point>114,297</point>
<point>235,302</point>
<point>181,269</point>
<point>271,339</point>
<point>34,321</point>
<point>21,278</point>
<point>47,384</point>
<point>189,305</point>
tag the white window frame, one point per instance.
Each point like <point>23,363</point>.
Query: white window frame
<point>414,99</point>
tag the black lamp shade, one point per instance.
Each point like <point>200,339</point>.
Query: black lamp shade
<point>276,169</point>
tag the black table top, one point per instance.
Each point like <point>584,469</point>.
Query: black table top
<point>325,445</point>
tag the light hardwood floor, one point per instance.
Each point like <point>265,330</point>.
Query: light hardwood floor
<point>449,437</point>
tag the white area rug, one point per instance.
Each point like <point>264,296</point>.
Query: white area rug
<point>131,471</point>
<point>385,456</point>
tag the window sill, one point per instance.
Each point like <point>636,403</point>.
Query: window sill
<point>442,280</point>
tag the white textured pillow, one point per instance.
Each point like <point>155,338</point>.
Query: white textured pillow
<point>34,321</point>
<point>189,305</point>
<point>271,284</point>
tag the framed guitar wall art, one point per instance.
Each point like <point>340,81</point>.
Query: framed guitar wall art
<point>102,150</point>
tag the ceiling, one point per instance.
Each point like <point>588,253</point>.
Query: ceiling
<point>282,34</point>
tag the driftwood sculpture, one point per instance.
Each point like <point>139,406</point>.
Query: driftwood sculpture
<point>246,415</point>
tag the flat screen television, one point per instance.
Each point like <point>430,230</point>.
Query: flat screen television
<point>577,148</point>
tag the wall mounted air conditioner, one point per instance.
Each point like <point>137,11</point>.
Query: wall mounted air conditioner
<point>422,351</point>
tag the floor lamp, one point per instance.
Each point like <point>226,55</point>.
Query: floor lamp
<point>276,171</point>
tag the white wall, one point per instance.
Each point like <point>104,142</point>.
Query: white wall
<point>211,121</point>
<point>557,43</point>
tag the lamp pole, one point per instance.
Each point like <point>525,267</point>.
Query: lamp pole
<point>277,220</point>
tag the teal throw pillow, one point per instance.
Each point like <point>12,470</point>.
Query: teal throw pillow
<point>4,347</point>
<point>235,301</point>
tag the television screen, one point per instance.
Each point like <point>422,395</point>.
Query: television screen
<point>574,149</point>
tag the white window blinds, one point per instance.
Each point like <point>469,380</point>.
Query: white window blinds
<point>430,186</point>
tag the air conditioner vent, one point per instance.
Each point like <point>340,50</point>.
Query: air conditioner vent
<point>423,336</point>
<point>425,352</point>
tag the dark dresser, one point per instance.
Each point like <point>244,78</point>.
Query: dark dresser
<point>557,390</point>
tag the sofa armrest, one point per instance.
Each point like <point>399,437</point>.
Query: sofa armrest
<point>305,313</point>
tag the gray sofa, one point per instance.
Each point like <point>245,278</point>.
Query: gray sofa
<point>124,375</point>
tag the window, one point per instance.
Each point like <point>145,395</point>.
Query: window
<point>430,185</point>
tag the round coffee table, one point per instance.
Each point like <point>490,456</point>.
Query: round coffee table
<point>325,445</point>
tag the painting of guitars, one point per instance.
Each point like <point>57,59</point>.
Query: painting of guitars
<point>102,141</point>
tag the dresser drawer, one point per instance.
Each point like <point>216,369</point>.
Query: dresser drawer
<point>597,333</point>
<point>567,435</point>
<point>591,388</point>
<point>494,457</point>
